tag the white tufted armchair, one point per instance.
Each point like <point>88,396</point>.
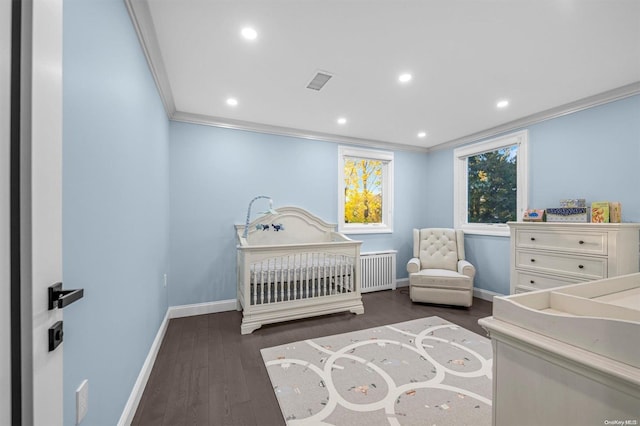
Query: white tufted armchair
<point>438,272</point>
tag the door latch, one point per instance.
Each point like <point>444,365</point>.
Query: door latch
<point>55,335</point>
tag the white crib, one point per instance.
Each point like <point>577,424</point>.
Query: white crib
<point>294,265</point>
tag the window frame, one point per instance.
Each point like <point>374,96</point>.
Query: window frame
<point>387,191</point>
<point>461,181</point>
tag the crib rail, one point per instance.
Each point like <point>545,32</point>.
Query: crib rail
<point>298,276</point>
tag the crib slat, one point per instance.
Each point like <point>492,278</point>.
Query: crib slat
<point>347,276</point>
<point>314,284</point>
<point>270,292</point>
<point>254,284</point>
<point>324,271</point>
<point>327,284</point>
<point>332,274</point>
<point>310,266</point>
<point>340,273</point>
<point>295,276</point>
<point>256,278</point>
<point>275,278</point>
<point>306,273</point>
<point>319,274</point>
<point>261,282</point>
<point>288,277</point>
<point>307,265</point>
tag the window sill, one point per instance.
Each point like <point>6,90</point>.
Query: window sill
<point>351,230</point>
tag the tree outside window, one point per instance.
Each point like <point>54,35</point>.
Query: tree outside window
<point>362,190</point>
<point>490,184</point>
<point>493,184</point>
<point>365,184</point>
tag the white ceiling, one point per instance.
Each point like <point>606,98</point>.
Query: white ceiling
<point>464,56</point>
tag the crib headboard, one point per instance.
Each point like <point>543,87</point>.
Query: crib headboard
<point>291,225</point>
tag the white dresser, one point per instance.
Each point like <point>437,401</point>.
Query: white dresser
<point>548,254</point>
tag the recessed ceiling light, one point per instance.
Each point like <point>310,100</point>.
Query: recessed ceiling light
<point>422,134</point>
<point>249,33</point>
<point>342,120</point>
<point>405,78</point>
<point>503,103</point>
<point>232,102</point>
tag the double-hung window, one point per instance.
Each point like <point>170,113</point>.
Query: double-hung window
<point>490,184</point>
<point>365,190</point>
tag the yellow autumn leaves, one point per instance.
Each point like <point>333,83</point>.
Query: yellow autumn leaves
<point>362,190</point>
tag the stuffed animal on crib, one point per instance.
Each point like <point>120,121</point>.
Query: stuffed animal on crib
<point>262,227</point>
<point>277,227</point>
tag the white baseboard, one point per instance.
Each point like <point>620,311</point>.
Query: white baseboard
<point>402,282</point>
<point>202,308</point>
<point>172,312</point>
<point>138,388</point>
<point>485,294</point>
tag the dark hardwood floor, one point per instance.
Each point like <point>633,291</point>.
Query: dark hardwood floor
<point>207,373</point>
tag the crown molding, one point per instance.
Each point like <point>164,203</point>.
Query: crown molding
<point>143,24</point>
<point>288,131</point>
<point>562,110</point>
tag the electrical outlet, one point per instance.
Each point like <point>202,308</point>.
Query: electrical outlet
<point>82,401</point>
<point>165,280</point>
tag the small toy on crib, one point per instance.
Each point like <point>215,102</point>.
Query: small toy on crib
<point>277,227</point>
<point>262,227</point>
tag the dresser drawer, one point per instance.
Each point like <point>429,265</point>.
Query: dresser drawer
<point>575,242</point>
<point>581,267</point>
<point>529,281</point>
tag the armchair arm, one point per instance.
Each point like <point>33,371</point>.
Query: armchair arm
<point>413,265</point>
<point>466,268</point>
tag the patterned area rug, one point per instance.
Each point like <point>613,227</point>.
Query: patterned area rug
<point>421,372</point>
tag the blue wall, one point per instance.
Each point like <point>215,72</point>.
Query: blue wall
<point>215,172</point>
<point>115,207</point>
<point>592,154</point>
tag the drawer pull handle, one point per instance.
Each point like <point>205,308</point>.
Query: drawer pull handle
<point>533,239</point>
<point>581,266</point>
<point>533,260</point>
<point>580,242</point>
<point>532,282</point>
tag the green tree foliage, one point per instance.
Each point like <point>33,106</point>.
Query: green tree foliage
<point>492,186</point>
<point>362,190</point>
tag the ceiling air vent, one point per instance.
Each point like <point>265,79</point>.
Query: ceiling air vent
<point>319,80</point>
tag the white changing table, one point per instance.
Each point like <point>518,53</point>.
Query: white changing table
<point>568,355</point>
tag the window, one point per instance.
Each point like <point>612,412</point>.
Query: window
<point>490,184</point>
<point>365,190</point>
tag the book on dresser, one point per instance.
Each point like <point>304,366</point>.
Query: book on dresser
<point>547,255</point>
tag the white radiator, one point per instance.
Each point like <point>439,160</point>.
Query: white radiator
<point>378,270</point>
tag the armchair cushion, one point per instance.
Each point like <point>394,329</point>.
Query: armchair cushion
<point>441,278</point>
<point>438,249</point>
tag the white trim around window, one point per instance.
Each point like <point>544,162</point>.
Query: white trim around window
<point>387,191</point>
<point>460,181</point>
